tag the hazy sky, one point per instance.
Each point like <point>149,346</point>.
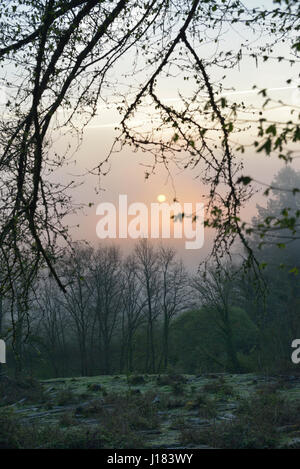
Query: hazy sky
<point>126,175</point>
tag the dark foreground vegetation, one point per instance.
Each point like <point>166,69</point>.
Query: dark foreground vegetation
<point>152,411</point>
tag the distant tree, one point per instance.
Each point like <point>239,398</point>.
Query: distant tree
<point>197,345</point>
<point>53,325</point>
<point>133,309</point>
<point>174,293</point>
<point>148,272</point>
<point>278,223</point>
<point>218,292</point>
<point>77,275</point>
<point>106,298</point>
<point>276,242</point>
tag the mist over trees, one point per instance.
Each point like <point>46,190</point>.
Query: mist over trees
<point>101,311</point>
<point>145,312</point>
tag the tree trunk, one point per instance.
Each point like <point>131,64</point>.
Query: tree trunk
<point>234,364</point>
<point>106,356</point>
<point>166,342</point>
<point>18,347</point>
<point>152,351</point>
<point>1,319</point>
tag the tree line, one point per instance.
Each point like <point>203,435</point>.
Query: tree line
<point>145,312</point>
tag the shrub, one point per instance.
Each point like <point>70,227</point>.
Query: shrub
<point>67,419</point>
<point>136,380</point>
<point>170,380</point>
<point>205,405</point>
<point>9,430</point>
<point>65,397</point>
<point>94,387</point>
<point>256,425</point>
<point>178,389</point>
<point>27,389</point>
<point>219,387</point>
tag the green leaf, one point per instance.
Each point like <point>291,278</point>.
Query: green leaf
<point>296,46</point>
<point>267,146</point>
<point>294,270</point>
<point>244,180</point>
<point>271,129</point>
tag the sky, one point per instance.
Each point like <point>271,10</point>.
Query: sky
<point>126,173</point>
<point>127,176</point>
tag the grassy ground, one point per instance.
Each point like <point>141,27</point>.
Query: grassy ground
<point>167,411</point>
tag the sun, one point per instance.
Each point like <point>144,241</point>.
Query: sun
<point>161,198</point>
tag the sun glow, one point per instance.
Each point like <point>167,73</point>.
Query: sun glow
<point>161,198</point>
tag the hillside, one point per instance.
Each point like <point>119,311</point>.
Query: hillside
<point>151,411</point>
